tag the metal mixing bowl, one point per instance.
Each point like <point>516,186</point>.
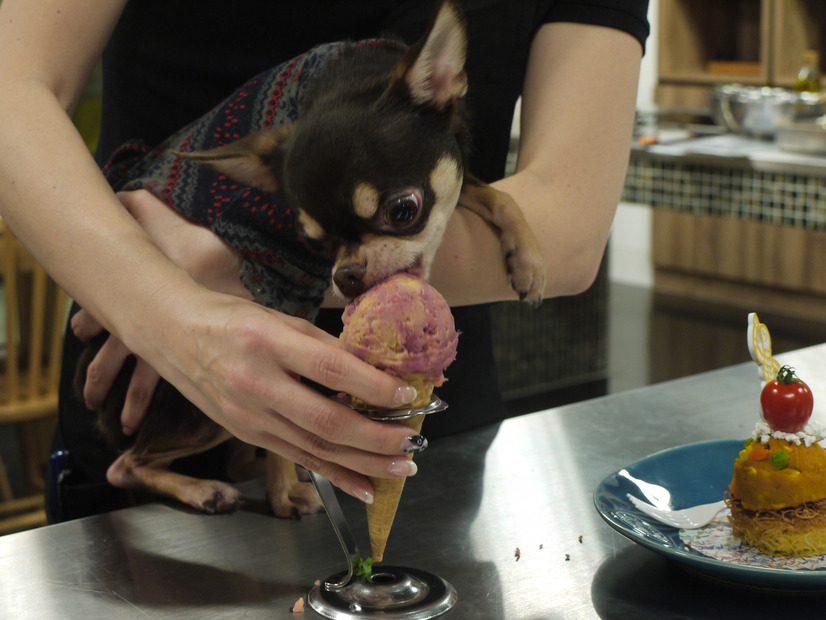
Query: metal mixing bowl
<point>756,110</point>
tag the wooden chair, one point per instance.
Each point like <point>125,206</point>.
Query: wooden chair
<point>35,314</point>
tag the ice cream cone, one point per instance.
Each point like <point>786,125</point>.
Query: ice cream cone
<point>382,511</point>
<point>404,326</point>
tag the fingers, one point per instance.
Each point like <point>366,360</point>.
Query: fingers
<point>85,326</point>
<point>335,432</point>
<point>195,248</point>
<point>338,370</point>
<point>328,428</point>
<point>347,480</point>
<point>325,436</point>
<point>323,458</point>
<point>138,396</point>
<point>102,371</point>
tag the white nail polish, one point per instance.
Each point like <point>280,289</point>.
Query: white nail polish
<point>404,395</point>
<point>404,467</point>
<point>363,495</point>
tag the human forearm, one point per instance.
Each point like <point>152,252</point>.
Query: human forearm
<point>52,193</point>
<point>56,200</point>
<point>577,117</point>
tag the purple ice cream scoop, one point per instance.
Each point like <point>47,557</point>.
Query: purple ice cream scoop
<point>403,326</point>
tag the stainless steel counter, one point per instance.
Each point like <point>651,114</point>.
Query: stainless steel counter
<point>734,151</point>
<point>526,484</point>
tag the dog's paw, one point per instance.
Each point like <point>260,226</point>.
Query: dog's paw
<point>299,498</point>
<point>527,271</point>
<point>523,257</point>
<point>213,497</point>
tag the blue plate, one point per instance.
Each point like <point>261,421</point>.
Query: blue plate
<point>681,477</point>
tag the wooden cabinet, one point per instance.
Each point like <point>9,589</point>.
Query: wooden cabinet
<point>736,232</point>
<point>708,42</point>
<point>746,264</point>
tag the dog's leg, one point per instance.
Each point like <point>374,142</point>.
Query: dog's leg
<point>287,495</point>
<point>152,474</point>
<point>245,461</point>
<point>519,245</point>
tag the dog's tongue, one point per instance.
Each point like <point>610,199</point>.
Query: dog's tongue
<point>405,327</point>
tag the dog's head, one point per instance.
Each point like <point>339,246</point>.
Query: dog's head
<point>375,163</point>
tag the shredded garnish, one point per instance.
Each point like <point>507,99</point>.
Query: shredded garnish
<point>797,531</point>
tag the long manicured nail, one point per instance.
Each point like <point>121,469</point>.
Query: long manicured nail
<point>402,468</point>
<point>364,495</point>
<point>404,395</point>
<point>302,474</point>
<point>414,444</point>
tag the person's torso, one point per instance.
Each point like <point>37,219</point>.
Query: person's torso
<point>169,62</point>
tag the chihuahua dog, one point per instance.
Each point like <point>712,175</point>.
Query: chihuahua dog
<point>374,165</point>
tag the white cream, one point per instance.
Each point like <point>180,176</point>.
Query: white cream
<point>811,433</point>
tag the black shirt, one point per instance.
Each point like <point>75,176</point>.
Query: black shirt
<point>169,62</point>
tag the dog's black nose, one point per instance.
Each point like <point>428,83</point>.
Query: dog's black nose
<point>350,279</point>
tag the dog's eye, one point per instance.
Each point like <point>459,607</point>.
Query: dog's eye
<point>401,211</point>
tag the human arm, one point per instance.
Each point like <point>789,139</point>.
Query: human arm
<point>234,359</point>
<point>577,118</point>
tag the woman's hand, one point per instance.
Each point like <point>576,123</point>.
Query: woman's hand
<point>104,368</point>
<point>247,376</point>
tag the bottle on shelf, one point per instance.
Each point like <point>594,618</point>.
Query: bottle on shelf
<point>808,78</point>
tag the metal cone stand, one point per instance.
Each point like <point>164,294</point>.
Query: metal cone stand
<point>391,591</point>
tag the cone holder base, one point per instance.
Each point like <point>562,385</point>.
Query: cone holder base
<point>393,592</point>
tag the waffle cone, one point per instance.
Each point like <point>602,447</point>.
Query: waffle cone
<point>388,492</point>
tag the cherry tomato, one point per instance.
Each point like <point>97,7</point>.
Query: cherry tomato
<point>787,402</point>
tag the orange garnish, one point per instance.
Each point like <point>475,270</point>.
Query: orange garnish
<point>758,452</point>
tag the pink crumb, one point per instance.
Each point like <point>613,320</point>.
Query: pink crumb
<point>298,608</point>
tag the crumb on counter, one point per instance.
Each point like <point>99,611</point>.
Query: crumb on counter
<point>580,539</point>
<point>567,557</point>
<point>517,554</point>
<point>298,608</point>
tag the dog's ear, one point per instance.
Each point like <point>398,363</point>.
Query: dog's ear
<point>254,160</point>
<point>433,70</point>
